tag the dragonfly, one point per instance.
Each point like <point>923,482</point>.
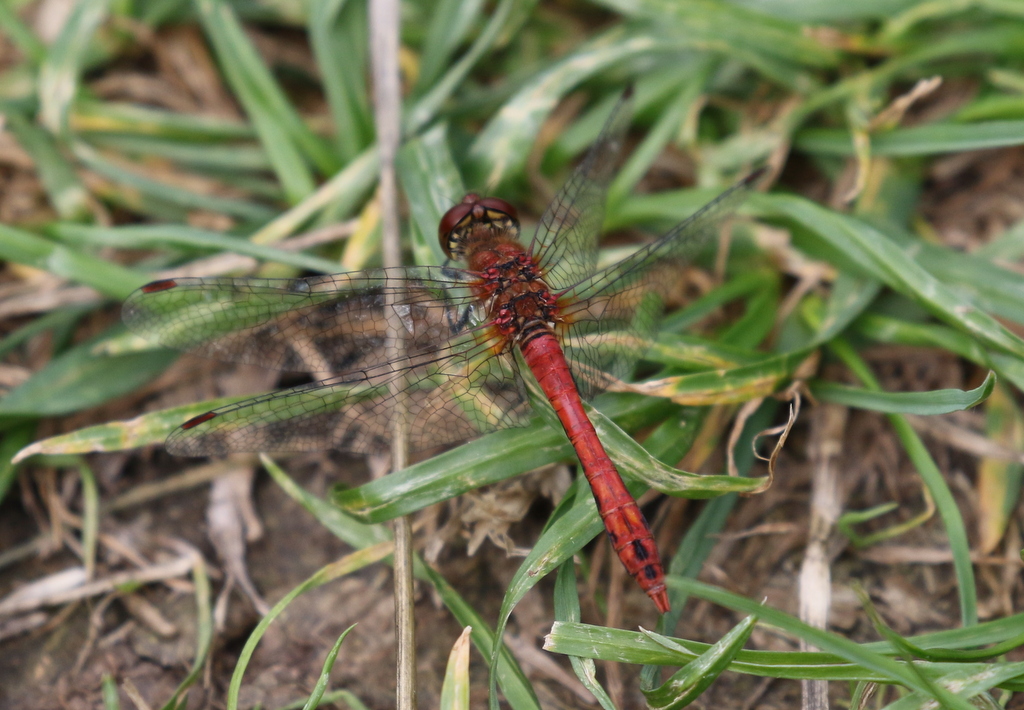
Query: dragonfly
<point>472,340</point>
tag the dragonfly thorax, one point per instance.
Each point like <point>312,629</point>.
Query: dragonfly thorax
<point>511,285</point>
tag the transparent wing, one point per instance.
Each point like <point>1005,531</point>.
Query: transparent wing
<point>453,381</point>
<point>322,324</point>
<point>613,314</point>
<point>565,244</point>
<point>457,393</point>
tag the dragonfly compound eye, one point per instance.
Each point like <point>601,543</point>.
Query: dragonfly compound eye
<point>457,221</point>
<point>450,229</point>
<point>495,204</point>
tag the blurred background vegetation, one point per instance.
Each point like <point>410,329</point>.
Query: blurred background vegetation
<point>878,278</point>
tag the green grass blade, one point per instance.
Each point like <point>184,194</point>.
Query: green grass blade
<point>23,247</point>
<point>992,108</point>
<point>181,197</point>
<point>691,680</point>
<point>659,211</point>
<point>502,147</point>
<point>696,546</point>
<point>889,329</point>
<point>14,439</point>
<point>98,117</point>
<point>734,27</point>
<point>844,661</point>
<point>424,110</point>
<point>666,129</point>
<point>932,139</point>
<point>921,403</point>
<point>633,460</point>
<point>58,321</point>
<point>493,458</point>
<point>450,23</point>
<point>21,35</point>
<point>688,352</point>
<point>999,481</point>
<point>144,430</point>
<point>198,154</point>
<point>65,61</point>
<point>111,698</point>
<point>79,379</point>
<point>964,684</point>
<point>988,285</point>
<point>871,250</point>
<point>66,193</point>
<point>900,23</point>
<point>510,452</point>
<point>758,318</point>
<point>567,608</point>
<point>176,236</point>
<point>325,675</point>
<point>337,35</point>
<point>431,183</point>
<point>90,518</point>
<point>737,287</point>
<point>867,663</point>
<point>730,385</point>
<point>850,297</point>
<point>286,139</point>
<point>455,688</point>
<point>992,40</point>
<point>341,525</point>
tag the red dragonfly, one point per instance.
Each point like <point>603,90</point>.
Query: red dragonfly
<point>467,336</point>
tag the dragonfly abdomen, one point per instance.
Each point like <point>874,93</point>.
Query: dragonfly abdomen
<point>627,529</point>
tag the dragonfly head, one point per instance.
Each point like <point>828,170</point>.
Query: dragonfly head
<point>473,214</point>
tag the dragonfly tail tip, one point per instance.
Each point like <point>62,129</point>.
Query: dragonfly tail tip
<point>660,599</point>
